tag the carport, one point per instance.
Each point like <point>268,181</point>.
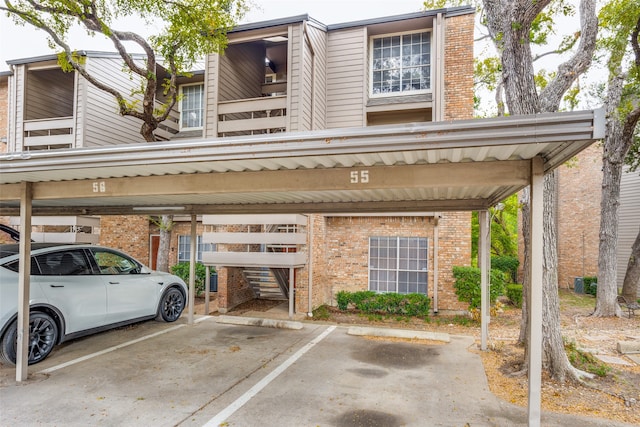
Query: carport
<point>434,166</point>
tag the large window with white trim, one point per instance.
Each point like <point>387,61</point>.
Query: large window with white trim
<point>184,248</point>
<point>401,64</point>
<point>398,264</point>
<point>192,106</point>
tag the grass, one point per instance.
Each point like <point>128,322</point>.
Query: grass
<point>586,361</point>
<point>322,313</point>
<point>568,298</point>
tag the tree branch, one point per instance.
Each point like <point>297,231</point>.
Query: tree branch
<point>568,72</point>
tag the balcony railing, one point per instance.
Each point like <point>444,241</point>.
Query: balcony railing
<point>167,129</point>
<point>57,131</point>
<point>252,116</point>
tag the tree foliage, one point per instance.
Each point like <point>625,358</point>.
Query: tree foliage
<point>188,30</point>
<point>619,42</point>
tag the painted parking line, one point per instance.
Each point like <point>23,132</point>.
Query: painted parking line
<point>249,394</point>
<point>115,347</point>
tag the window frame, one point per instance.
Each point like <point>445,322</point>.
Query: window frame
<point>401,92</point>
<point>181,94</point>
<point>200,248</point>
<point>396,269</point>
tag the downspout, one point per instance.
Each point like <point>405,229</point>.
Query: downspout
<point>307,40</point>
<point>310,264</point>
<point>436,220</point>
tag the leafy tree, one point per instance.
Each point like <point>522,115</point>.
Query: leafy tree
<point>620,39</point>
<point>514,26</point>
<point>504,229</point>
<point>189,31</point>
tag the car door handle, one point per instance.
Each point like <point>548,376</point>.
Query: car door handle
<point>57,286</point>
<point>160,283</point>
<point>114,283</point>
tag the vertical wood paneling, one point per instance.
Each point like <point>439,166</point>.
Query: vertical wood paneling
<point>346,78</point>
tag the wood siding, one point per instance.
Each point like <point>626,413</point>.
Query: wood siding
<point>346,77</point>
<point>50,94</point>
<point>629,220</point>
<point>241,72</point>
<point>211,86</point>
<point>318,41</point>
<point>102,124</point>
<point>296,85</point>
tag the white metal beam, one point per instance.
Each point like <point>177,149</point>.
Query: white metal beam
<point>484,240</point>
<point>24,273</point>
<point>192,269</point>
<point>535,292</point>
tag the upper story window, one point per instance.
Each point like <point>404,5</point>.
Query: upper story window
<point>401,64</point>
<point>192,106</point>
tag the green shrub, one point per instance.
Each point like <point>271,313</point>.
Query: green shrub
<point>373,303</point>
<point>467,285</point>
<point>181,270</point>
<point>342,299</point>
<point>508,264</point>
<point>514,293</point>
<point>590,285</point>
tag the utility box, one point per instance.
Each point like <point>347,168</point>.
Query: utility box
<point>213,282</point>
<point>578,285</point>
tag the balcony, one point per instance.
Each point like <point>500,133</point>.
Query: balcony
<point>252,116</point>
<point>49,133</point>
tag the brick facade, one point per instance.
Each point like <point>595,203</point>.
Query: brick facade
<point>579,194</point>
<point>128,233</point>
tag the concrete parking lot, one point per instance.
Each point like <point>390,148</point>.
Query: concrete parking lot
<point>216,374</point>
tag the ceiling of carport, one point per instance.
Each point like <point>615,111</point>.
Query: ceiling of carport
<point>436,166</point>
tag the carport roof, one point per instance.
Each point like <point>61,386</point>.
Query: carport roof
<point>433,166</point>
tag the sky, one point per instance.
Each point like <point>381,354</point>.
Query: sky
<point>24,41</point>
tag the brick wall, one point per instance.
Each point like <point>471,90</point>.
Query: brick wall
<point>128,233</point>
<point>579,194</point>
<point>458,68</point>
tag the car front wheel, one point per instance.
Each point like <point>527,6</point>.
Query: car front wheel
<point>43,334</point>
<point>171,305</point>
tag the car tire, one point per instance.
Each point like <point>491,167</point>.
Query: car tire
<point>171,305</point>
<point>43,335</point>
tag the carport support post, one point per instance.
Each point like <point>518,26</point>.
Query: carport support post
<point>291,294</point>
<point>207,289</point>
<point>535,292</point>
<point>192,269</point>
<point>24,272</point>
<point>484,238</point>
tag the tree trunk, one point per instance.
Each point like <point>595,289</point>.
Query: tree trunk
<point>631,284</point>
<point>509,23</point>
<point>526,265</point>
<point>612,162</point>
<point>166,224</point>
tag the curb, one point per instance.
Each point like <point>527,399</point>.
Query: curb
<point>256,321</point>
<point>398,333</point>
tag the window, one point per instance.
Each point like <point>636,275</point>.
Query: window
<point>68,263</point>
<point>111,263</point>
<point>192,106</point>
<point>401,64</point>
<point>184,248</point>
<point>398,264</point>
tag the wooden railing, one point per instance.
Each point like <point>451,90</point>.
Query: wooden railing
<point>56,131</point>
<point>253,115</point>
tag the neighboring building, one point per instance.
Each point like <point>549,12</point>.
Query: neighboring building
<point>289,75</point>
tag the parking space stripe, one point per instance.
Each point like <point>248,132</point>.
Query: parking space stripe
<point>107,350</point>
<point>239,402</point>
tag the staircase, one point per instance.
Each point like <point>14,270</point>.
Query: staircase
<point>264,283</point>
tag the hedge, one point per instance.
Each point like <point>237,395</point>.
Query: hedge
<point>371,302</point>
<point>591,285</point>
<point>514,293</point>
<point>467,285</point>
